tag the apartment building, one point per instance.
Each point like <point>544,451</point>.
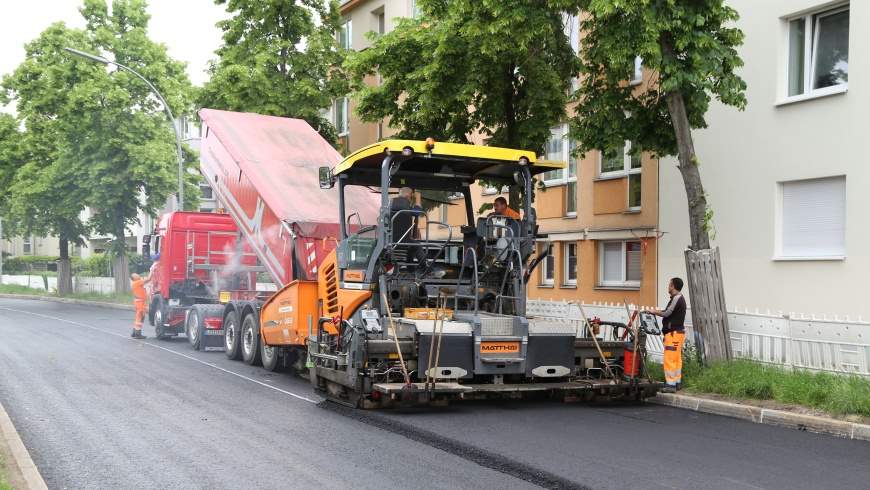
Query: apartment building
<point>600,214</point>
<point>787,178</point>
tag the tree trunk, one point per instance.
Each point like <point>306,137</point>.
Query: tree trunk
<point>64,269</point>
<point>120,265</point>
<point>511,128</point>
<point>121,273</point>
<point>689,170</point>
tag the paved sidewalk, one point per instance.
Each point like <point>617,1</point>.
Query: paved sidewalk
<point>21,471</point>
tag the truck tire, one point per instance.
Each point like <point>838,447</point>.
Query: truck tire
<point>271,356</point>
<point>160,319</point>
<point>193,327</point>
<point>250,340</point>
<point>232,335</point>
<point>152,307</point>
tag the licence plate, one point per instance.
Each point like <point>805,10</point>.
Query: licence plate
<point>499,348</point>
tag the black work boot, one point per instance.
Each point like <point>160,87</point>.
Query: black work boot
<point>137,334</point>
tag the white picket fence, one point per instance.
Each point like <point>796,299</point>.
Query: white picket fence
<point>83,284</point>
<point>792,341</point>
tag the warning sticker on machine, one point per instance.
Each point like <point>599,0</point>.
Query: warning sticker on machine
<point>493,348</point>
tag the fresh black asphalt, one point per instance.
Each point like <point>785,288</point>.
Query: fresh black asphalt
<point>99,410</point>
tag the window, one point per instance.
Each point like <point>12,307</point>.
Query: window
<point>380,22</point>
<point>345,34</point>
<point>620,264</point>
<point>818,52</point>
<point>415,9</point>
<point>206,192</point>
<point>341,116</point>
<point>27,245</point>
<point>547,266</point>
<point>623,163</point>
<point>560,148</point>
<point>637,74</point>
<point>813,219</point>
<point>442,213</point>
<point>569,259</point>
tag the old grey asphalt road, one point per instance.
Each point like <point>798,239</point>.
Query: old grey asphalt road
<point>99,410</point>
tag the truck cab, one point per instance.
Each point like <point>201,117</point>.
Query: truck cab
<point>198,255</point>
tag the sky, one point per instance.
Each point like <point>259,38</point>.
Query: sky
<point>186,27</point>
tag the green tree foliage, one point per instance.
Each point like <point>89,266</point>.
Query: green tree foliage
<point>689,50</point>
<point>466,66</point>
<point>94,137</point>
<point>278,58</point>
<point>498,69</point>
<point>43,196</point>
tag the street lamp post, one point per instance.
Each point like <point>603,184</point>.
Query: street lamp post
<point>99,59</point>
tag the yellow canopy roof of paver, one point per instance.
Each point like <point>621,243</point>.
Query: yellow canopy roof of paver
<point>479,162</point>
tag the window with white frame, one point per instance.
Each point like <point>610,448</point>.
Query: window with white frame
<point>341,112</point>
<point>560,148</point>
<point>205,191</point>
<point>380,22</point>
<point>812,222</point>
<point>345,34</point>
<point>415,9</point>
<point>27,245</point>
<point>818,52</point>
<point>569,263</point>
<point>619,263</point>
<point>442,213</point>
<point>624,163</point>
<point>637,73</point>
<point>572,32</point>
<point>547,266</point>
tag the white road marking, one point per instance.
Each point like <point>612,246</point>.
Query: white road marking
<point>294,395</point>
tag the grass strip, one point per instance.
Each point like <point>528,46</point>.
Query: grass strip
<point>839,394</point>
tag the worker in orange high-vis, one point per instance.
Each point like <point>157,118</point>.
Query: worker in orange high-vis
<point>500,208</point>
<point>673,333</point>
<point>137,286</point>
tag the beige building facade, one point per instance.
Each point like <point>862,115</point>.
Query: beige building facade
<point>787,178</point>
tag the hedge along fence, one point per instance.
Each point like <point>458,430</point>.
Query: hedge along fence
<point>97,265</point>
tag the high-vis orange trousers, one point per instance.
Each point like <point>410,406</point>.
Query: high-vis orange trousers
<point>140,313</point>
<point>673,362</point>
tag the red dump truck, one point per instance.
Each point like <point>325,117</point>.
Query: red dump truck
<point>264,172</point>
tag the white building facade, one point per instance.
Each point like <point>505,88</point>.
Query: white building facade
<point>787,178</point>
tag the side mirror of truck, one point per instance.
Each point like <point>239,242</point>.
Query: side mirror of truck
<point>327,180</point>
<point>146,246</point>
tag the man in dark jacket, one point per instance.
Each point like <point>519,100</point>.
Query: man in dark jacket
<point>673,335</point>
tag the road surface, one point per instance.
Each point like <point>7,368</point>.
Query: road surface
<point>97,409</point>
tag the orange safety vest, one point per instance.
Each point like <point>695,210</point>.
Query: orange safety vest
<point>138,288</point>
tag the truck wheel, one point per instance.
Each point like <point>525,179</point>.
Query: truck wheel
<point>271,356</point>
<point>193,328</point>
<point>156,304</point>
<point>160,320</point>
<point>250,341</point>
<point>231,335</point>
<point>151,309</point>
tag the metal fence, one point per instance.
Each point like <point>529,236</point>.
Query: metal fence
<point>791,341</point>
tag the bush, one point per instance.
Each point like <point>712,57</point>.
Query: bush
<point>97,265</point>
<point>100,265</point>
<point>26,263</point>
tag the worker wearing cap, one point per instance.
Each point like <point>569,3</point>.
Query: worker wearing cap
<point>673,334</point>
<point>137,285</point>
<point>500,208</point>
